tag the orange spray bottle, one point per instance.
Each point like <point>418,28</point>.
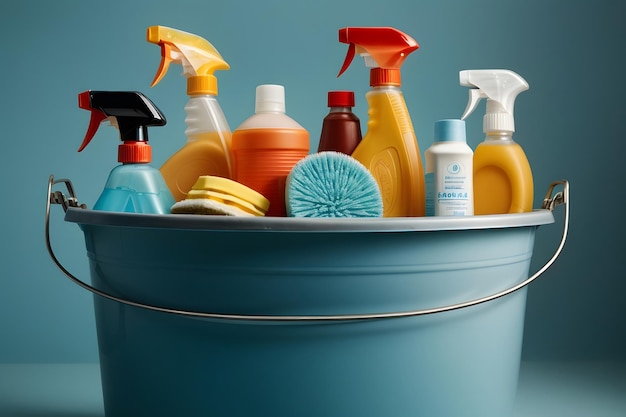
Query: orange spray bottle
<point>503,181</point>
<point>389,149</point>
<point>207,151</point>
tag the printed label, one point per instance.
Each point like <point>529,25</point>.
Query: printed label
<point>449,193</point>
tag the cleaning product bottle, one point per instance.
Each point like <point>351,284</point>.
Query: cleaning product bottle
<point>207,151</point>
<point>341,128</point>
<point>449,187</point>
<point>135,186</point>
<point>389,149</point>
<point>267,145</point>
<point>503,181</point>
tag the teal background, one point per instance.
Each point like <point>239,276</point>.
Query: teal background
<point>569,123</point>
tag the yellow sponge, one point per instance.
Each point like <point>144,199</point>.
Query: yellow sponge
<point>227,193</point>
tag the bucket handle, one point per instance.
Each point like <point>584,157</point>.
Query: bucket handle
<point>550,202</point>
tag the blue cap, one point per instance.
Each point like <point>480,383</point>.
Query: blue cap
<point>450,130</point>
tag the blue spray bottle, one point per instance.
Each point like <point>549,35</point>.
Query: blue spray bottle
<point>135,186</point>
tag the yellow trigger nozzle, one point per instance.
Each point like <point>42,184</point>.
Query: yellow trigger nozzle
<point>198,57</point>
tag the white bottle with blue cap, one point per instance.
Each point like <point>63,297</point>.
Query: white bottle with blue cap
<point>449,182</point>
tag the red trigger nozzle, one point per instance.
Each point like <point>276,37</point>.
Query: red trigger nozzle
<point>349,58</point>
<point>84,102</point>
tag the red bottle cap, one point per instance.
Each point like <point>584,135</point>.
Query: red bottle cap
<point>341,99</point>
<point>134,152</point>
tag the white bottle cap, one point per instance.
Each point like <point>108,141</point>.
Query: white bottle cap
<point>497,118</point>
<point>270,98</point>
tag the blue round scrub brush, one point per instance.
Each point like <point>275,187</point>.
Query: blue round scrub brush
<point>332,184</point>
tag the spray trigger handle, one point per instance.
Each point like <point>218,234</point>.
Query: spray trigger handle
<point>97,117</point>
<point>349,57</point>
<point>164,65</point>
<point>475,95</point>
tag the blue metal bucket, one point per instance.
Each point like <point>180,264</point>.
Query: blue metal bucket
<point>218,316</point>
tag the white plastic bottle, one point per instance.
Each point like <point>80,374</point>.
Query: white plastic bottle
<point>449,183</point>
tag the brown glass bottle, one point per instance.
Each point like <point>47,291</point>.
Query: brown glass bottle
<point>341,128</point>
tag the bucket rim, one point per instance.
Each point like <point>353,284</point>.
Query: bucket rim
<point>310,225</point>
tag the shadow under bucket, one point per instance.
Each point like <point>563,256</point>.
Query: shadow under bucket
<point>308,317</point>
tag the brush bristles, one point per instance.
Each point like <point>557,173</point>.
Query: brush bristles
<point>332,184</point>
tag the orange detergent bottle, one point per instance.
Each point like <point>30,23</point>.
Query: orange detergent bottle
<point>266,146</point>
<point>503,181</point>
<point>208,148</point>
<point>389,149</point>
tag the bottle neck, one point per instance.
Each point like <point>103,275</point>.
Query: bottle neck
<point>380,88</point>
<point>499,136</point>
<point>202,97</point>
<point>340,110</point>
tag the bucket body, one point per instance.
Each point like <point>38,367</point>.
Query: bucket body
<point>463,362</point>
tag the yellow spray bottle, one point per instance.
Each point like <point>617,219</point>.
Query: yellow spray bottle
<point>208,147</point>
<point>503,180</point>
<point>389,149</point>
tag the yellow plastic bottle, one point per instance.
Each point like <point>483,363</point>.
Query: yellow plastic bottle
<point>389,149</point>
<point>207,151</point>
<point>503,181</point>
